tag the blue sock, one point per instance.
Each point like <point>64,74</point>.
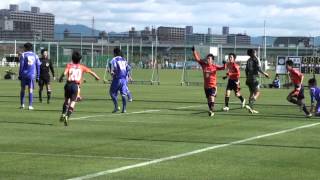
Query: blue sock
<point>115,101</point>
<point>30,99</point>
<point>22,97</point>
<point>124,103</point>
<point>129,95</point>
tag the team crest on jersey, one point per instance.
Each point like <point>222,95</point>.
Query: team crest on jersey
<point>47,64</point>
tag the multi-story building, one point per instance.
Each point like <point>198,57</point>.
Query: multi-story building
<point>225,30</point>
<point>171,34</point>
<point>238,39</point>
<point>196,39</point>
<point>189,30</point>
<point>292,42</point>
<point>216,39</point>
<point>26,25</point>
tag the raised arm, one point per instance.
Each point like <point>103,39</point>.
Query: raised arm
<point>196,55</point>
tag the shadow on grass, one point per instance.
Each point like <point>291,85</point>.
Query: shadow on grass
<point>30,123</point>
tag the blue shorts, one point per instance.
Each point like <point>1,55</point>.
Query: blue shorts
<point>119,85</point>
<point>71,91</point>
<point>233,85</point>
<point>27,82</point>
<point>210,92</point>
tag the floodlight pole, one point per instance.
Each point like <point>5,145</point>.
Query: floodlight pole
<point>49,48</point>
<point>101,45</point>
<point>92,55</point>
<point>57,54</point>
<point>81,43</point>
<point>128,52</point>
<point>15,48</point>
<point>265,48</point>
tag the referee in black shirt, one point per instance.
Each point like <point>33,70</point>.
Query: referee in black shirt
<point>45,67</point>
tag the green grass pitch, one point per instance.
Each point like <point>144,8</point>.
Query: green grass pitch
<point>163,121</point>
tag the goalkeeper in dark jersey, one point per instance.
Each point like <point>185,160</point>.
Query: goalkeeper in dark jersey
<point>45,67</point>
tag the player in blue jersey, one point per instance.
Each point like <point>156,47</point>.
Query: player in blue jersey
<point>315,96</point>
<point>129,78</point>
<point>29,71</point>
<point>119,73</point>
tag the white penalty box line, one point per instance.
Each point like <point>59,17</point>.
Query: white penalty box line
<point>123,114</point>
<point>156,161</point>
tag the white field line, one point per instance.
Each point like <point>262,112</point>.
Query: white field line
<point>156,161</point>
<point>119,114</point>
<point>110,115</point>
<point>137,112</point>
<point>75,156</point>
<point>187,107</point>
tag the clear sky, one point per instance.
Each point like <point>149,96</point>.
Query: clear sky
<point>283,17</point>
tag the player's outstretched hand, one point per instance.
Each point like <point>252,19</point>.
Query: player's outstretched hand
<point>193,49</point>
<point>97,78</point>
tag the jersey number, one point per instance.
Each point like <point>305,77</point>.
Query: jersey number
<point>75,74</point>
<point>30,60</point>
<point>122,65</point>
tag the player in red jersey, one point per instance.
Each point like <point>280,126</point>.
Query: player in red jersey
<point>74,72</point>
<point>297,95</point>
<point>210,77</point>
<point>233,81</point>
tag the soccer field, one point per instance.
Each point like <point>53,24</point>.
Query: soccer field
<point>165,134</point>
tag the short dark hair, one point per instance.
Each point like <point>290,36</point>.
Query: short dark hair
<point>289,63</point>
<point>312,82</point>
<point>76,57</point>
<point>27,46</point>
<point>233,54</point>
<point>43,50</point>
<point>210,55</point>
<point>250,52</point>
<point>117,51</point>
